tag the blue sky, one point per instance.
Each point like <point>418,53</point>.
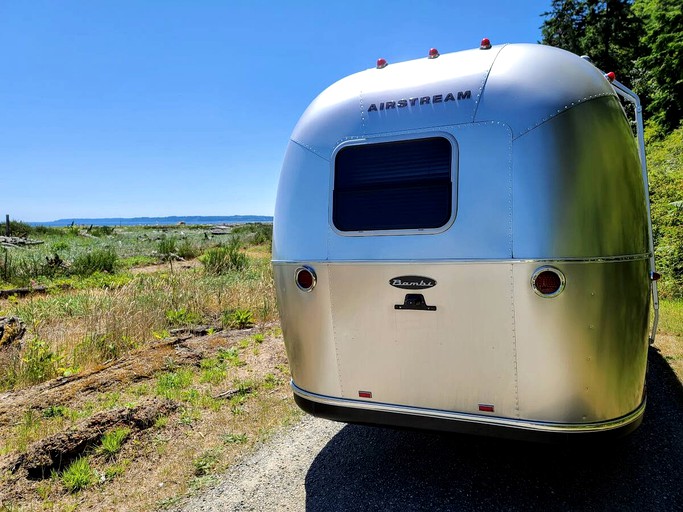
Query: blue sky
<point>155,108</point>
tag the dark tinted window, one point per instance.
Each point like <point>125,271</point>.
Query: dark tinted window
<point>394,185</point>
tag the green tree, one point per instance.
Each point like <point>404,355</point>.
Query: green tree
<point>606,30</point>
<point>661,67</point>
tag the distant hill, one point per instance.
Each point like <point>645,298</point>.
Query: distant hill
<point>153,221</point>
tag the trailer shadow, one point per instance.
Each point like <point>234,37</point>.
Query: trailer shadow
<point>367,468</point>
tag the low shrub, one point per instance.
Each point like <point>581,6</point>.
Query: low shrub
<point>223,259</point>
<point>98,260</point>
<point>238,319</point>
<point>167,248</point>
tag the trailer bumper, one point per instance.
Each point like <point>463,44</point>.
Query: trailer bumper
<point>380,414</point>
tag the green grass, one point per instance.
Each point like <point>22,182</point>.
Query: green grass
<point>238,319</point>
<point>78,475</point>
<point>223,259</point>
<point>234,438</point>
<point>112,442</point>
<point>671,317</point>
<point>206,462</point>
<point>171,384</point>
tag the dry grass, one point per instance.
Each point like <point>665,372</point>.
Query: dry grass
<point>181,453</point>
<point>231,388</point>
<point>83,328</point>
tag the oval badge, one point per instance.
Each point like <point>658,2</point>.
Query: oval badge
<point>412,282</point>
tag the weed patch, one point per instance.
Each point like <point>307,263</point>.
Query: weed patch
<point>99,260</point>
<point>223,259</point>
<point>112,442</point>
<point>78,475</point>
<point>238,319</point>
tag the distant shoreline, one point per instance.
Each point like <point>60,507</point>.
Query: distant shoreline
<point>154,221</point>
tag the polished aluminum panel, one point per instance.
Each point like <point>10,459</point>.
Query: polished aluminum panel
<point>301,209</point>
<point>343,110</point>
<point>453,358</point>
<point>531,83</point>
<point>582,356</point>
<point>306,320</point>
<point>577,358</point>
<point>578,188</point>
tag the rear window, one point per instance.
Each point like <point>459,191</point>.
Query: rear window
<point>393,185</point>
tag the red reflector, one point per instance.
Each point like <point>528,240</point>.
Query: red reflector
<point>433,53</point>
<point>611,76</point>
<point>381,63</point>
<point>365,394</point>
<point>485,44</point>
<point>305,278</point>
<point>486,407</point>
<point>548,282</point>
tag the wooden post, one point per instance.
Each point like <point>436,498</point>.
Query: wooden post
<point>7,225</point>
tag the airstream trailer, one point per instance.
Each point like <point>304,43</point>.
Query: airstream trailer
<point>463,242</point>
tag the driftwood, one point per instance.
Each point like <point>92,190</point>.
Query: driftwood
<point>21,292</point>
<point>227,395</point>
<point>11,329</point>
<point>15,241</point>
<point>57,450</point>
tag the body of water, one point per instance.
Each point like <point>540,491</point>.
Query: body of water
<point>157,221</point>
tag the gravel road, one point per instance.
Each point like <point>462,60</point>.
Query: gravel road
<point>318,465</point>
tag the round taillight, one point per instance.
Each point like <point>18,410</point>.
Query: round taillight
<point>548,282</point>
<point>305,278</point>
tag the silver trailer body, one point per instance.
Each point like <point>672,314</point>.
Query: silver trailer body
<point>542,172</point>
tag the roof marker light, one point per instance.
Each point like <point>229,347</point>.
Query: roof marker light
<point>433,53</point>
<point>485,44</point>
<point>611,76</point>
<point>381,63</point>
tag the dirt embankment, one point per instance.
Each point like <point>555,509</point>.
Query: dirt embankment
<point>22,471</point>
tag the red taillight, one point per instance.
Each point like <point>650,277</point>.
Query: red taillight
<point>305,278</point>
<point>548,282</point>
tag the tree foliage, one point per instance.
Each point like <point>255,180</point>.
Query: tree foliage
<point>641,41</point>
<point>665,160</point>
<point>661,66</point>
